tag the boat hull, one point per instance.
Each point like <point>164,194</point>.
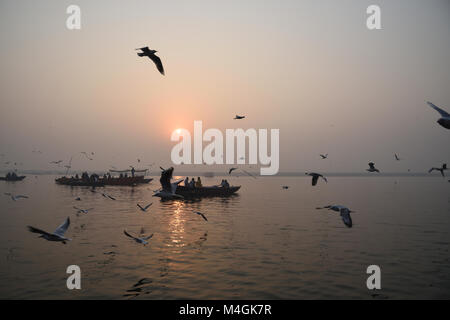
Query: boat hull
<point>187,192</point>
<point>12,179</point>
<point>128,181</point>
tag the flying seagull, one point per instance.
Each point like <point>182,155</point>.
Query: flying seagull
<point>315,177</point>
<point>56,162</point>
<point>231,170</point>
<point>142,240</point>
<point>168,188</point>
<point>144,209</point>
<point>57,235</point>
<point>324,156</point>
<point>372,167</point>
<point>146,52</point>
<point>16,197</point>
<point>107,196</point>
<point>441,170</point>
<point>85,153</point>
<point>397,158</point>
<point>238,117</point>
<point>83,210</point>
<point>344,212</point>
<point>445,117</point>
<point>285,187</point>
<point>346,218</point>
<point>201,214</point>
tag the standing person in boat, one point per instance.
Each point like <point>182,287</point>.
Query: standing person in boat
<point>198,184</point>
<point>192,183</point>
<point>85,176</point>
<point>132,171</point>
<point>186,182</point>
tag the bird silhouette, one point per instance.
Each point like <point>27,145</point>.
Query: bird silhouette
<point>144,209</point>
<point>202,215</point>
<point>441,170</point>
<point>315,177</point>
<point>445,117</point>
<point>372,167</point>
<point>146,52</point>
<point>142,240</point>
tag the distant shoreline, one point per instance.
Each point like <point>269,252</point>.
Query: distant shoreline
<point>222,174</point>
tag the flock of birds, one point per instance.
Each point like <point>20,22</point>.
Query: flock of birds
<point>344,211</point>
<point>59,234</point>
<point>168,191</point>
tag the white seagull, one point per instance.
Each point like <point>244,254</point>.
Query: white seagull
<point>57,235</point>
<point>445,117</point>
<point>16,197</point>
<point>142,240</point>
<point>168,189</point>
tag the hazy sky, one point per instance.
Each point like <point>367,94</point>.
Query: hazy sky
<point>309,68</point>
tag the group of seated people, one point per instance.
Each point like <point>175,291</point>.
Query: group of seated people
<point>193,183</point>
<point>198,183</point>
<point>85,177</point>
<point>95,177</point>
<point>11,175</point>
<point>224,184</point>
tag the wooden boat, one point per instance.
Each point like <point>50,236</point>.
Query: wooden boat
<point>101,182</point>
<point>73,182</point>
<point>16,178</point>
<point>201,192</point>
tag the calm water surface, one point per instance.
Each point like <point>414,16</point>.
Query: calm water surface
<point>264,243</point>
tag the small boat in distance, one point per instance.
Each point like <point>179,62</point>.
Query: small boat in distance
<point>12,176</point>
<point>126,177</point>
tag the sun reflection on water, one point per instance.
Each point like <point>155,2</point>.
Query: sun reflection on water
<point>177,223</point>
